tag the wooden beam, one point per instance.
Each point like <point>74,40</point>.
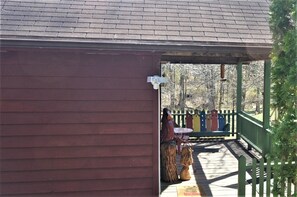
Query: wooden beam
<point>200,59</point>
<point>175,52</point>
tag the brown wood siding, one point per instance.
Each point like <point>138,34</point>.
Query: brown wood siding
<point>77,123</point>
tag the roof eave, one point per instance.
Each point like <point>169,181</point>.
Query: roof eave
<point>197,49</point>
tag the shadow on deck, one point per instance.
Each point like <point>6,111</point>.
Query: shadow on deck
<point>215,168</point>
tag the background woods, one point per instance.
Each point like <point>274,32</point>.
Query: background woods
<point>200,86</point>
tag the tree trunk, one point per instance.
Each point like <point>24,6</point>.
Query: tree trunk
<point>243,98</point>
<point>168,162</point>
<point>211,90</point>
<point>182,92</point>
<point>172,92</point>
<point>258,110</point>
<point>221,95</point>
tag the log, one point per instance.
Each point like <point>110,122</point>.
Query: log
<point>168,162</point>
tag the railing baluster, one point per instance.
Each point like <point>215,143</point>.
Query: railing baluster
<point>261,179</point>
<point>228,116</point>
<point>268,177</point>
<point>289,180</point>
<point>282,183</point>
<point>295,183</point>
<point>275,179</point>
<point>241,175</point>
<point>183,118</point>
<point>178,117</point>
<point>233,122</point>
<point>254,177</point>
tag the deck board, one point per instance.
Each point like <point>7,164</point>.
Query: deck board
<point>215,168</point>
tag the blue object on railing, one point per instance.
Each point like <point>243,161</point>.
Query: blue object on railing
<point>221,122</point>
<point>202,121</point>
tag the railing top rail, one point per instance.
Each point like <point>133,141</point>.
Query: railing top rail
<point>272,163</point>
<point>251,119</point>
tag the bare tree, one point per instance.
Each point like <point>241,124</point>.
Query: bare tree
<point>200,87</point>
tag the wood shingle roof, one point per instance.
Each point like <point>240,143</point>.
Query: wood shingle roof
<point>180,22</point>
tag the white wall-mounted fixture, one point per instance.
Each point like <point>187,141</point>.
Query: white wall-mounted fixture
<point>156,81</point>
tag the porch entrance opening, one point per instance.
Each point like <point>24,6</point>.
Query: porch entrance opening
<point>195,88</point>
<point>201,97</point>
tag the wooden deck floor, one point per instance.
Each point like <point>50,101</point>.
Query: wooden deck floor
<point>215,169</point>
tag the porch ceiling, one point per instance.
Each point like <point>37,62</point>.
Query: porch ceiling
<point>217,56</point>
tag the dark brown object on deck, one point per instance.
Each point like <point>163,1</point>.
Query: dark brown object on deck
<point>168,162</point>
